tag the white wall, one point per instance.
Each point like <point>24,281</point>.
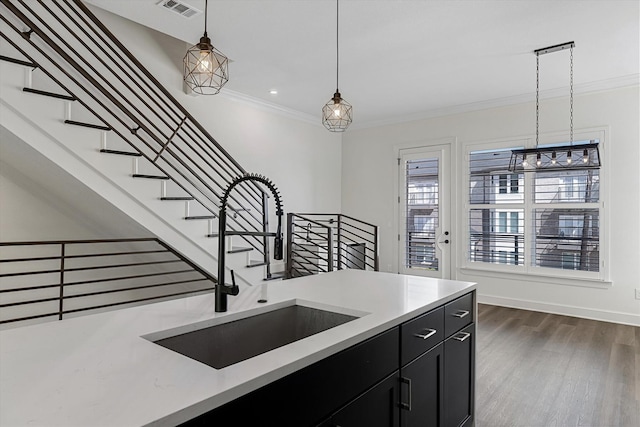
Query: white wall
<point>40,201</point>
<point>369,178</point>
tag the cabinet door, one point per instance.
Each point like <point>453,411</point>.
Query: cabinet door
<point>421,390</point>
<point>459,384</point>
<point>378,407</point>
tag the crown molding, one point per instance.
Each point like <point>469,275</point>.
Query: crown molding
<point>591,87</point>
<point>583,88</point>
<point>270,107</point>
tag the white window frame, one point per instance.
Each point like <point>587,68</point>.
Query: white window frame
<point>532,272</point>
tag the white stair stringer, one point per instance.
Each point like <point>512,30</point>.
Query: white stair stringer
<point>39,122</point>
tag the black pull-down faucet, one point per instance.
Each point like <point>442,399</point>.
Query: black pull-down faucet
<point>222,290</point>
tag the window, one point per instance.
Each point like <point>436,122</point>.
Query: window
<point>496,227</point>
<point>570,225</point>
<point>514,222</point>
<point>422,213</point>
<point>539,221</point>
<point>502,222</point>
<point>507,183</point>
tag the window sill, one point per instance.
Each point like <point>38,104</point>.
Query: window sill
<point>537,277</point>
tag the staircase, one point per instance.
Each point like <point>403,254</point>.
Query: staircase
<point>74,93</point>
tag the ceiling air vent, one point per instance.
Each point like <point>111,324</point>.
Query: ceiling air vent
<point>180,8</point>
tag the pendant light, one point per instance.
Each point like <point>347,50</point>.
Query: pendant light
<point>557,157</point>
<point>205,67</point>
<point>337,114</point>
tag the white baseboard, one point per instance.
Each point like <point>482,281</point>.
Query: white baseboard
<point>565,310</point>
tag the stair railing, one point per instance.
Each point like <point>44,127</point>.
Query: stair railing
<point>318,243</point>
<point>76,51</point>
<point>309,247</point>
<point>58,278</point>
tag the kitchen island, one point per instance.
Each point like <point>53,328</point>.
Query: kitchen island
<point>105,369</point>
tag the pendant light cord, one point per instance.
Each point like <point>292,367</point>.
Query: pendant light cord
<point>337,46</point>
<point>537,97</point>
<point>206,6</point>
<point>571,94</point>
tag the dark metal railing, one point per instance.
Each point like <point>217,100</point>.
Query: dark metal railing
<point>69,45</point>
<point>51,279</point>
<point>318,243</point>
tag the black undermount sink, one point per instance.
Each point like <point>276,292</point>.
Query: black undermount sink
<point>225,344</point>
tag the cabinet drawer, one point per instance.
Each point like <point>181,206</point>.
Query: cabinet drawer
<point>458,314</point>
<point>421,334</point>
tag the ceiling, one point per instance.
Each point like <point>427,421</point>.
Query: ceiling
<point>407,59</point>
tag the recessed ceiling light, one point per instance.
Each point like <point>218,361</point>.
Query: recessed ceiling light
<point>273,92</point>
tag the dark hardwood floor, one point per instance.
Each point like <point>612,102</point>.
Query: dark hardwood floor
<point>537,369</point>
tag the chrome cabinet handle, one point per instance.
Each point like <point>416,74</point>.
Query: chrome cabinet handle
<point>403,405</point>
<point>461,336</point>
<point>460,313</point>
<point>429,333</point>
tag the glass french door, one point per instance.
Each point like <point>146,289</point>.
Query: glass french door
<point>424,208</point>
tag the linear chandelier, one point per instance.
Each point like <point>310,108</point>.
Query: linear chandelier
<point>206,69</point>
<point>337,114</point>
<point>555,157</point>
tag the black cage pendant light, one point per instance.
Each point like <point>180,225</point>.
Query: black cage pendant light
<point>337,114</point>
<point>206,69</point>
<point>584,156</point>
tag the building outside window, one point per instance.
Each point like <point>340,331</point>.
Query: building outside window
<point>536,220</point>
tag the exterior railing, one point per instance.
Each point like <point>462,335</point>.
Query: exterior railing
<point>68,44</point>
<point>319,243</point>
<point>52,279</point>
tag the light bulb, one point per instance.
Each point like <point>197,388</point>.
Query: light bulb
<point>553,158</point>
<point>525,163</point>
<point>336,111</point>
<point>585,156</point>
<point>569,159</point>
<point>538,160</point>
<point>204,63</point>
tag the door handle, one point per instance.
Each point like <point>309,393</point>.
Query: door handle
<point>446,240</point>
<point>429,333</point>
<point>460,313</point>
<point>406,406</point>
<point>461,336</point>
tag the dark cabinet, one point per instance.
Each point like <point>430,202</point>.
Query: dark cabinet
<point>438,385</point>
<point>459,373</point>
<point>418,374</point>
<point>378,407</point>
<point>422,390</point>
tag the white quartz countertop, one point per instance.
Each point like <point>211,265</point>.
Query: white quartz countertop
<point>101,370</point>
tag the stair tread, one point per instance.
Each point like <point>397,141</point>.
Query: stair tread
<point>255,263</point>
<point>18,61</point>
<point>237,249</point>
<point>275,276</point>
<point>122,153</point>
<point>140,175</point>
<point>50,94</point>
<point>200,217</point>
<point>87,125</point>
<point>187,198</point>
